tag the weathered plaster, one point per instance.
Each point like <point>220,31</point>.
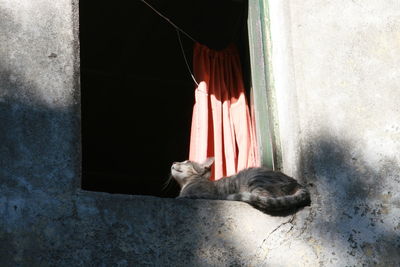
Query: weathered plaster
<point>336,71</point>
<point>338,116</point>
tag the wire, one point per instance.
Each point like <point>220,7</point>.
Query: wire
<point>184,57</point>
<point>170,22</point>
<point>178,31</point>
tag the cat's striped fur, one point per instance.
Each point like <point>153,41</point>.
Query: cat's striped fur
<point>263,189</point>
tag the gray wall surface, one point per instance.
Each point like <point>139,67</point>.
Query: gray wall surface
<point>336,71</point>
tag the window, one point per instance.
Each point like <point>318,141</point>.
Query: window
<point>137,94</point>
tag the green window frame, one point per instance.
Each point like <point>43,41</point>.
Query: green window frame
<point>262,91</point>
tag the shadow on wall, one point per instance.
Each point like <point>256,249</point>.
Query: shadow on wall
<point>40,144</point>
<point>39,119</point>
<point>354,214</point>
<point>355,206</point>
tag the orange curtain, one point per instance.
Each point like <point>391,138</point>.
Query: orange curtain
<point>221,123</point>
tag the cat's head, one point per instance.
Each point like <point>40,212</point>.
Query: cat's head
<point>187,170</point>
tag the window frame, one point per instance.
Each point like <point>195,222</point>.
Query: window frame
<point>262,91</point>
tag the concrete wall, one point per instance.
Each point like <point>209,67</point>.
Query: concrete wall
<point>45,219</point>
<point>335,68</point>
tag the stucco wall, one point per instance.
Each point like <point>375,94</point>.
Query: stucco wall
<point>45,219</point>
<point>335,69</point>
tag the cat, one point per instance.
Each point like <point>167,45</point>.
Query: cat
<point>266,190</point>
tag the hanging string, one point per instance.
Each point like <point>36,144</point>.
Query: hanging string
<point>184,57</point>
<point>178,30</point>
<point>170,22</point>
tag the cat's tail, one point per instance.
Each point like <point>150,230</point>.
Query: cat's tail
<point>300,198</point>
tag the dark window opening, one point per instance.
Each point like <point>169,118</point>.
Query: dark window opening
<point>137,94</point>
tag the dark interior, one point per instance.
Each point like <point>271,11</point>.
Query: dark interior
<point>137,93</point>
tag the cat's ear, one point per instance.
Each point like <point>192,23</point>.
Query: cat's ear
<point>208,163</point>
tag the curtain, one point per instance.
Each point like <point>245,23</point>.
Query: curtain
<point>221,123</point>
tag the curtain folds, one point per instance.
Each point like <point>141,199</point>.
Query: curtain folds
<point>222,126</point>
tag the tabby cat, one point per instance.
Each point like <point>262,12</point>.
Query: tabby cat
<point>263,189</point>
